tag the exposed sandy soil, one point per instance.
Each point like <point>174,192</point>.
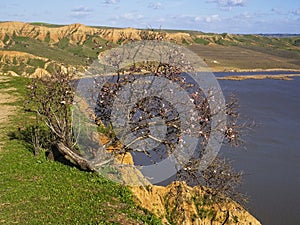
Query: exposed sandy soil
<point>177,201</point>
<point>9,56</point>
<point>77,33</point>
<point>5,110</point>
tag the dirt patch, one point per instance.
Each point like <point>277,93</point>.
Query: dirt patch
<point>6,110</point>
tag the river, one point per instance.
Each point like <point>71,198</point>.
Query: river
<point>270,157</point>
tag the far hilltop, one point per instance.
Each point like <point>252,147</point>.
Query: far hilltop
<point>30,49</point>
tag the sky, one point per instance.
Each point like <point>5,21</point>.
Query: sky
<point>218,16</point>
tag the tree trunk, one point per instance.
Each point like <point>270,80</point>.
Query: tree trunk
<point>74,157</point>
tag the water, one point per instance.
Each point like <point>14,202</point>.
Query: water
<point>271,160</point>
<point>270,157</point>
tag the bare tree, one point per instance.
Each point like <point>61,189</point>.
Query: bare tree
<point>52,98</point>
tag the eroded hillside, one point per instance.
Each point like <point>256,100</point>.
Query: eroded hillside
<point>54,46</point>
<point>179,203</point>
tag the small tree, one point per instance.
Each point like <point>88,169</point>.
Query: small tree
<point>51,98</point>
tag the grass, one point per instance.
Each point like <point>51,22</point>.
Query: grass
<point>43,49</point>
<point>38,191</point>
<point>61,52</point>
<point>89,49</point>
<point>46,24</point>
<point>204,209</point>
<point>219,57</point>
<point>23,66</point>
<point>201,41</point>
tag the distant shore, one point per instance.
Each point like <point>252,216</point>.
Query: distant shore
<point>260,77</point>
<point>222,70</point>
<point>260,74</point>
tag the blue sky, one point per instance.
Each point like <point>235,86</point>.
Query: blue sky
<point>231,16</point>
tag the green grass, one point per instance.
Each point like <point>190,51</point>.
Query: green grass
<point>28,66</point>
<point>203,211</point>
<point>296,42</point>
<point>38,191</point>
<point>43,49</point>
<point>62,52</point>
<point>89,49</point>
<point>201,41</point>
<point>46,24</point>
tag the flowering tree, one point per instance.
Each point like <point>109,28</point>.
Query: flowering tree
<point>172,117</point>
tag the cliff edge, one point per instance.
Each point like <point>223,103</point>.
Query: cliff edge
<point>181,204</point>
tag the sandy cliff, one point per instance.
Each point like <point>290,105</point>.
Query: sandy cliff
<point>77,33</point>
<point>181,204</point>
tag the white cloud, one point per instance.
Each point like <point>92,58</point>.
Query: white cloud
<point>278,11</point>
<point>212,18</point>
<point>155,5</point>
<point>208,19</point>
<point>228,4</point>
<point>296,12</point>
<point>80,12</point>
<point>198,18</point>
<point>131,16</point>
<point>245,15</point>
<point>235,3</point>
<point>111,2</point>
<point>81,9</point>
<point>129,19</point>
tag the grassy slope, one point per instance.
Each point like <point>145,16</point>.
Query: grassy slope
<point>61,52</point>
<point>58,52</point>
<point>36,191</point>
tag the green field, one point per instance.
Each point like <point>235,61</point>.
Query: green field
<point>38,191</point>
<point>246,57</point>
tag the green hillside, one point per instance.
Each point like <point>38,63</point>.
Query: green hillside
<point>38,191</point>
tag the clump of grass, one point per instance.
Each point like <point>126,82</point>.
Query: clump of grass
<point>201,41</point>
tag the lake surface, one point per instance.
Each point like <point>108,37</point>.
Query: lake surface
<point>270,157</point>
